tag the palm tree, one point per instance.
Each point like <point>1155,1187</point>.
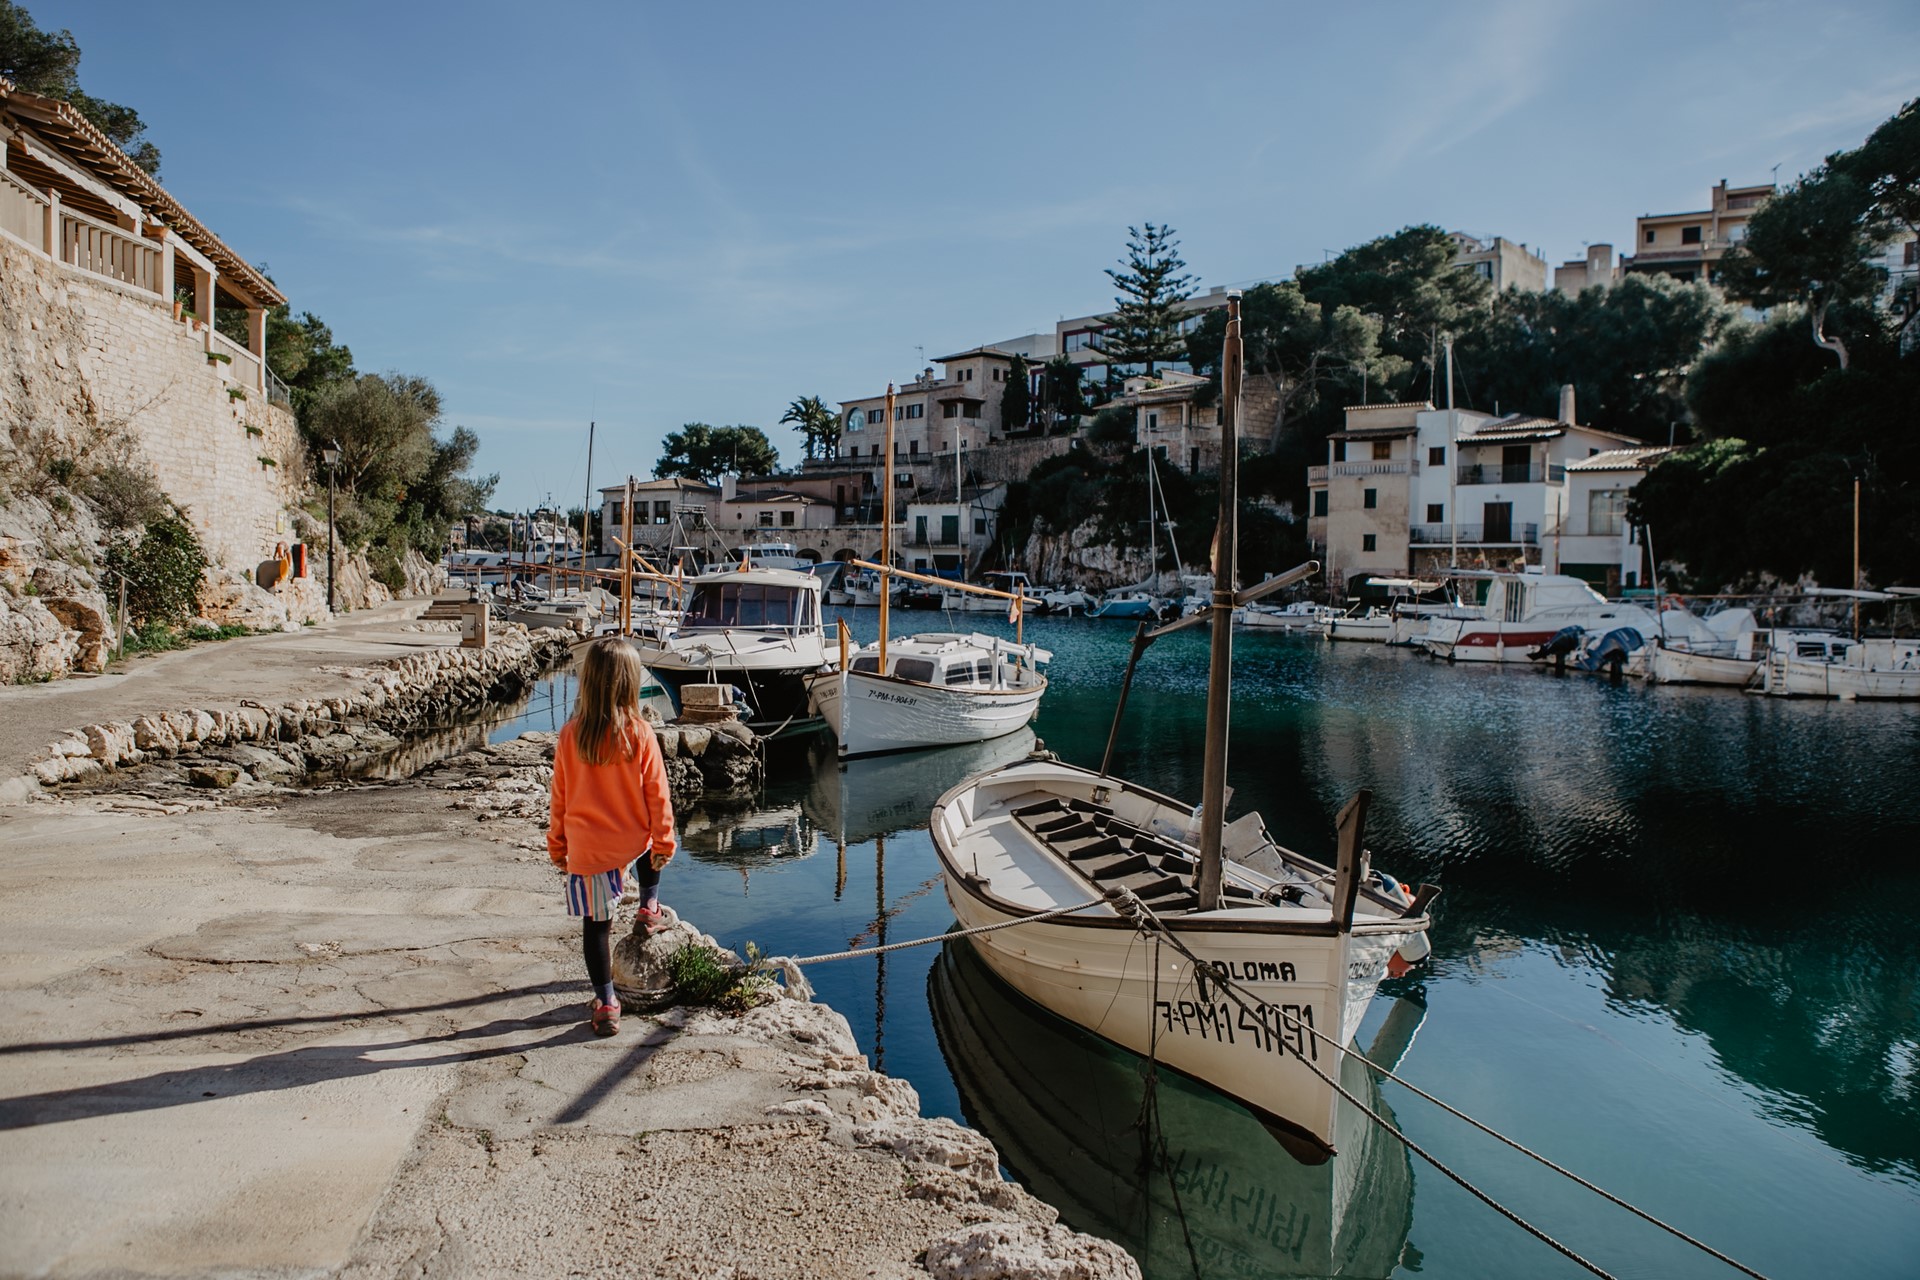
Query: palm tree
<point>818,425</point>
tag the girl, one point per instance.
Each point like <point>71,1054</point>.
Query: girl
<point>610,806</point>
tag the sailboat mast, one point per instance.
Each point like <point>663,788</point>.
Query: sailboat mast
<point>586,511</point>
<point>1213,786</point>
<point>886,532</point>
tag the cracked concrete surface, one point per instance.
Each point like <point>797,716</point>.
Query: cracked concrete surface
<point>342,1033</point>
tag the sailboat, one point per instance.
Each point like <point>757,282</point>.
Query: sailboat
<point>1304,944</point>
<point>935,689</point>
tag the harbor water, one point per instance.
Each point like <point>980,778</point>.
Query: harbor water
<point>1675,953</point>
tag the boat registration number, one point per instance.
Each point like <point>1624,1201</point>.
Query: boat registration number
<point>1276,1028</point>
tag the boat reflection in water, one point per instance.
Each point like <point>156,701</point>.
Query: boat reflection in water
<point>879,795</point>
<point>1063,1108</point>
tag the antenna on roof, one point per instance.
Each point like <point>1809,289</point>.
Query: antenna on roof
<point>923,352</point>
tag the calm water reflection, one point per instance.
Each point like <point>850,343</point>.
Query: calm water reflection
<point>1674,950</point>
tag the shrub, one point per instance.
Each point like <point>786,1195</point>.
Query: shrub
<point>162,571</point>
<point>701,977</point>
<point>1114,424</point>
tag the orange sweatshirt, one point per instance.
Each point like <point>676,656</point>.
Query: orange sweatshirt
<point>606,815</point>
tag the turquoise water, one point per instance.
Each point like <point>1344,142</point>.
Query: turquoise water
<point>1674,953</point>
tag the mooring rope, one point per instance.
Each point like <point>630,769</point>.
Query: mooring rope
<point>940,937</point>
<point>1142,917</point>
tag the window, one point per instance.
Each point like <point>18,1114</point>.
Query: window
<point>916,411</point>
<point>870,663</point>
<point>1339,450</point>
<point>856,421</point>
<point>1910,253</point>
<point>979,526</point>
<point>920,669</point>
<point>970,408</point>
<point>1690,235</point>
<point>1382,450</point>
<point>1081,341</point>
<point>1320,502</point>
<point>1436,513</point>
<point>786,519</point>
<point>949,530</point>
<point>1649,235</point>
<point>1606,511</point>
<point>616,517</point>
<point>1369,498</point>
<point>875,417</point>
<point>662,512</point>
<point>1153,422</point>
<point>766,519</point>
<point>899,412</point>
<point>960,673</point>
<point>1367,541</point>
<point>1437,455</point>
<point>913,446</point>
<point>951,409</point>
<point>997,373</point>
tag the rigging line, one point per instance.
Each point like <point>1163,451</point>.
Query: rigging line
<point>942,937</point>
<point>1143,916</point>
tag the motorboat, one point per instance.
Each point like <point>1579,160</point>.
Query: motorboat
<point>1300,616</point>
<point>1523,613</point>
<point>1065,603</point>
<point>773,553</point>
<point>1736,661</point>
<point>1167,929</point>
<point>1072,1117</point>
<point>937,689</point>
<point>863,586</point>
<point>758,630</point>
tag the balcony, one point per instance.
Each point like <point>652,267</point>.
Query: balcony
<point>1390,467</point>
<point>1480,535</point>
<point>1316,475</point>
<point>1510,473</point>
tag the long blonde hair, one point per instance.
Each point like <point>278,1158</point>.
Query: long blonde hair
<point>607,716</point>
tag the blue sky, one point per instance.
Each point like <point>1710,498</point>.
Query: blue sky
<point>649,214</point>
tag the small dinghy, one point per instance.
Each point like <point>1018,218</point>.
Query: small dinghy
<point>1171,931</point>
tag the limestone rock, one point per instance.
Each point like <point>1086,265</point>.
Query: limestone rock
<point>219,777</point>
<point>640,963</point>
<point>232,599</point>
<point>1025,1251</point>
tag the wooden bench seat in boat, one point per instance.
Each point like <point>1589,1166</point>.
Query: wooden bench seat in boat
<point>1111,852</point>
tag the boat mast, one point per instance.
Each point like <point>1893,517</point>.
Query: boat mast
<point>586,511</point>
<point>1213,794</point>
<point>886,532</point>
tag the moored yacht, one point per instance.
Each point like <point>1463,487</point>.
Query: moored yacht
<point>1524,612</point>
<point>938,689</point>
<point>755,629</point>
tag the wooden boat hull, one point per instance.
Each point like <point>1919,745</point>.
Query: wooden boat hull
<point>1899,681</point>
<point>873,714</point>
<point>1677,666</point>
<point>1095,970</point>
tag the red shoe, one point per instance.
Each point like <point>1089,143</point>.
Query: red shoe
<point>648,919</point>
<point>606,1019</point>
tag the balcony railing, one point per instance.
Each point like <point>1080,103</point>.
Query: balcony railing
<point>1510,473</point>
<point>109,251</point>
<point>1507,535</point>
<point>23,210</point>
<point>1316,475</point>
<point>242,368</point>
<point>1390,467</point>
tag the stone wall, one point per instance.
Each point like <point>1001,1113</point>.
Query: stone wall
<point>82,353</point>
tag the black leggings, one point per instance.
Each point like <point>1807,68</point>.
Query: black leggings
<point>596,936</point>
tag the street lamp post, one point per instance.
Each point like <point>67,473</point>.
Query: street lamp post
<point>331,456</point>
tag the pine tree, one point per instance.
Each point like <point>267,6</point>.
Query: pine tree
<point>1016,401</point>
<point>1145,325</point>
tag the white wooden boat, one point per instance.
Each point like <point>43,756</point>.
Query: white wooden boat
<point>1033,837</point>
<point>1059,1106</point>
<point>1287,952</point>
<point>758,630</point>
<point>1369,625</point>
<point>938,689</point>
<point>1851,670</point>
<point>1301,615</point>
<point>1012,582</point>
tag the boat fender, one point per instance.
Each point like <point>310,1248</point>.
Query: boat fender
<point>1409,953</point>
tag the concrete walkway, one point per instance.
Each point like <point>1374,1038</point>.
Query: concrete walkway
<point>267,668</point>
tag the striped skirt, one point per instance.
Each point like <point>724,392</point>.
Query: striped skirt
<point>594,897</point>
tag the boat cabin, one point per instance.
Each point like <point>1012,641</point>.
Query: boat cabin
<point>762,599</point>
<point>946,660</point>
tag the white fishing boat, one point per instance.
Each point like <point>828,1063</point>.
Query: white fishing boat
<point>938,689</point>
<point>1301,615</point>
<point>1851,670</point>
<point>1368,624</point>
<point>758,630</point>
<point>1012,582</point>
<point>1287,951</point>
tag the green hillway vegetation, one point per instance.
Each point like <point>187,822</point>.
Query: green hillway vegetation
<point>1777,416</point>
<point>402,482</point>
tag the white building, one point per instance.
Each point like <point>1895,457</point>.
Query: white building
<point>1595,540</point>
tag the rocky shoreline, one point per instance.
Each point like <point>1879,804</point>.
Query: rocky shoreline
<point>371,995</point>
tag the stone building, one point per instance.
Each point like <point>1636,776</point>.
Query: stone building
<point>1689,246</point>
<point>1502,263</point>
<point>111,290</point>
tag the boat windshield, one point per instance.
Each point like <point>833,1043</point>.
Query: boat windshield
<point>747,604</point>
